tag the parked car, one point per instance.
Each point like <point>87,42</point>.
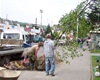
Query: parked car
<point>38,39</point>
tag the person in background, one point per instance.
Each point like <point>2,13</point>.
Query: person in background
<point>49,55</point>
<point>81,42</point>
<point>32,54</point>
<point>98,45</point>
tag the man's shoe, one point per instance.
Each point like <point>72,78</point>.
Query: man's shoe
<point>52,74</point>
<point>47,74</point>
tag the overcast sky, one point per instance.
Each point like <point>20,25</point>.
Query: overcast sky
<point>29,10</point>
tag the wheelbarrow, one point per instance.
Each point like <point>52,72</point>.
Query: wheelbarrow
<point>9,74</point>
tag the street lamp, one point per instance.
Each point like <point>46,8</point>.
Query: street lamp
<point>80,12</point>
<point>41,11</point>
<point>77,26</point>
<point>6,16</point>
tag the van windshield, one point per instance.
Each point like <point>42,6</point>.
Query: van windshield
<point>11,36</point>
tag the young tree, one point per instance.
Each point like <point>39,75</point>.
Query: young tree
<point>48,30</point>
<point>94,13</point>
<point>69,22</point>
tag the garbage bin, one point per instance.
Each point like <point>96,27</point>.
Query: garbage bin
<point>98,59</point>
<point>9,74</point>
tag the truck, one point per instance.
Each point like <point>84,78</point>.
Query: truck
<point>12,44</point>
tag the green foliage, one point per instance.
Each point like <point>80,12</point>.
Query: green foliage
<point>84,27</point>
<point>69,21</point>
<point>48,30</point>
<point>94,61</point>
<point>65,52</point>
<point>94,12</point>
<point>94,64</point>
<point>95,51</point>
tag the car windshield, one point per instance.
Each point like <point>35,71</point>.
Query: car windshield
<point>11,36</point>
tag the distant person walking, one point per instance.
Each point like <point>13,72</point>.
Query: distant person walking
<point>81,43</point>
<point>49,56</point>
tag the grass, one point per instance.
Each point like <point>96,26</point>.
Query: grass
<point>94,64</point>
<point>94,61</point>
<point>95,51</point>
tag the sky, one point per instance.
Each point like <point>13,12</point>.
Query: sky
<point>29,10</point>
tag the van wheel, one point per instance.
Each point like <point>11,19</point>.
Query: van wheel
<point>5,60</point>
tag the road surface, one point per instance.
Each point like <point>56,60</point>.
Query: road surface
<point>78,69</point>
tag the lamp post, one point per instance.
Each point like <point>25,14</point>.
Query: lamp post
<point>77,26</point>
<point>80,12</point>
<point>41,11</point>
<point>6,16</point>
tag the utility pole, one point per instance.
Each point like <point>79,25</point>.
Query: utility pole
<point>35,22</point>
<point>41,11</point>
<point>77,22</point>
<point>6,16</point>
<point>81,13</point>
<point>77,26</point>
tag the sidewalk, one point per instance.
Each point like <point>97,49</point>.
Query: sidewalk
<point>95,54</point>
<point>78,69</point>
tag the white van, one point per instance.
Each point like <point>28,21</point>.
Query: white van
<point>12,37</point>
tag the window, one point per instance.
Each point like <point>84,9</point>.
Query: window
<point>11,36</point>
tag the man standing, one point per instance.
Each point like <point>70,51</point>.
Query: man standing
<point>49,55</point>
